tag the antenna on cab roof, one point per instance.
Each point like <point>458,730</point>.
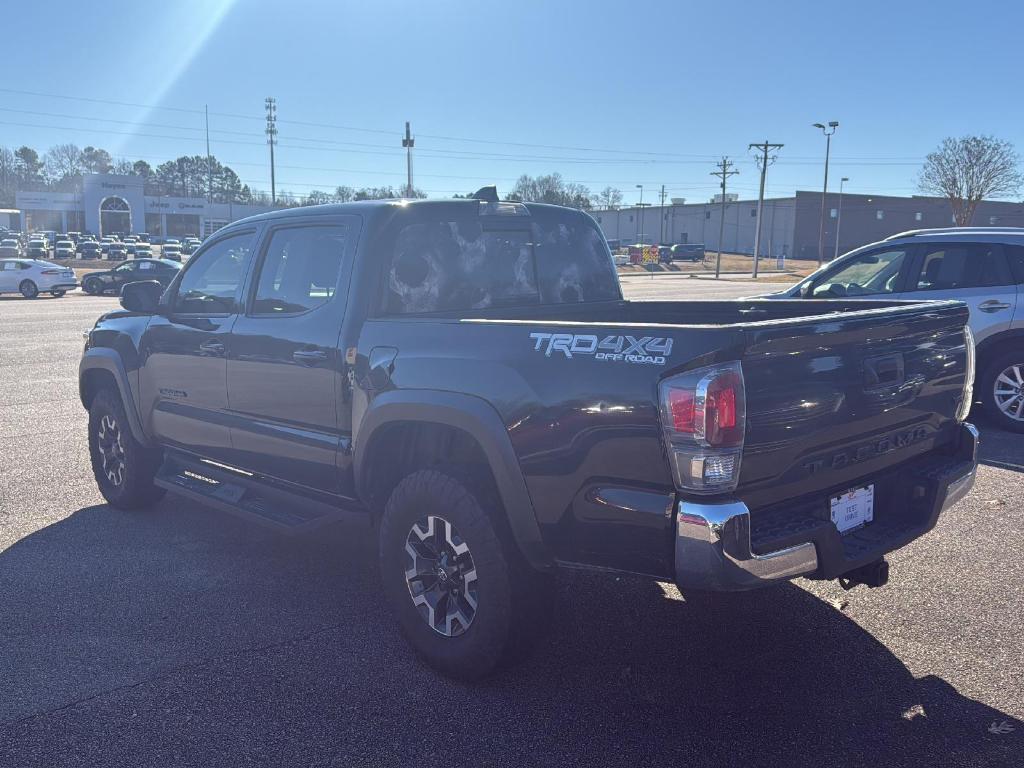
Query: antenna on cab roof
<point>488,194</point>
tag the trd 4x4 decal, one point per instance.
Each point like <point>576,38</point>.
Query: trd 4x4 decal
<point>651,350</point>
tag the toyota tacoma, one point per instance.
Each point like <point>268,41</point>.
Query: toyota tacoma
<point>465,377</point>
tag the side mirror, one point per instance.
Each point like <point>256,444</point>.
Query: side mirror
<point>142,297</point>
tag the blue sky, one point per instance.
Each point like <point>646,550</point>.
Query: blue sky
<point>610,93</point>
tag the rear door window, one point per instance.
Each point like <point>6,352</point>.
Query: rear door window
<point>953,266</point>
<point>300,269</point>
<point>1015,256</point>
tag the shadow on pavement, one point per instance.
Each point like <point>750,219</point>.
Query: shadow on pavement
<point>182,637</point>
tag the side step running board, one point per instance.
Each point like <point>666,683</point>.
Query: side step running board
<point>249,496</point>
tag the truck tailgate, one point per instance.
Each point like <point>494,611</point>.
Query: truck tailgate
<point>831,400</point>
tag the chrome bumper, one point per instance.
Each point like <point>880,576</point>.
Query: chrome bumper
<point>713,550</point>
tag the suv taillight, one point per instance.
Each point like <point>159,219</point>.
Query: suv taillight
<point>703,415</point>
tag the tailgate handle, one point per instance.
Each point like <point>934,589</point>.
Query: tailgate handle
<point>883,372</point>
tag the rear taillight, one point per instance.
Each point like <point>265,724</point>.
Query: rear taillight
<point>703,415</point>
<point>53,272</point>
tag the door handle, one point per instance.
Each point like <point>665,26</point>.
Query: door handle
<point>309,356</point>
<point>993,305</point>
<point>211,349</point>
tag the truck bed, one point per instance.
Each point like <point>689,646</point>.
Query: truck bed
<point>587,430</point>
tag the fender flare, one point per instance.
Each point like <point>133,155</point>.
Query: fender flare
<point>105,359</point>
<point>479,420</point>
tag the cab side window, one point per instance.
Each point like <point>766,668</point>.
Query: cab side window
<point>952,266</point>
<point>300,269</point>
<point>875,272</point>
<point>213,281</point>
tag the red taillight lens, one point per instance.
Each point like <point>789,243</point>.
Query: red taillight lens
<point>680,406</point>
<point>720,413</point>
<point>51,271</point>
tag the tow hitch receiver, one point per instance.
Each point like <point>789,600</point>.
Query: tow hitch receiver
<point>874,574</point>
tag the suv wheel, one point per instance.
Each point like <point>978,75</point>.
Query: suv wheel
<point>464,598</point>
<point>92,286</point>
<point>28,289</point>
<point>124,468</point>
<point>1002,390</point>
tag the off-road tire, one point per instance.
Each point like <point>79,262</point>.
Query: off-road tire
<point>123,467</point>
<point>512,599</point>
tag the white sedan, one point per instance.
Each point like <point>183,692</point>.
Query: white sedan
<point>30,277</point>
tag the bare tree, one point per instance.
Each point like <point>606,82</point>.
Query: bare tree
<point>62,161</point>
<point>968,170</point>
<point>551,189</point>
<point>609,198</point>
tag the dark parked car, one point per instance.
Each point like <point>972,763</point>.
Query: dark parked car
<point>161,270</point>
<point>688,252</point>
<point>466,376</point>
<point>88,249</point>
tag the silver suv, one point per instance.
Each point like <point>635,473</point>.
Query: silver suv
<point>981,266</point>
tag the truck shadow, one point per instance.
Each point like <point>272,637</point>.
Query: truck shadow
<point>122,632</point>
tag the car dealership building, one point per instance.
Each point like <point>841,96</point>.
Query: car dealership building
<point>110,203</point>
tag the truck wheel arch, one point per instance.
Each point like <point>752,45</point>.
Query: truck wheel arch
<point>102,367</point>
<point>480,422</point>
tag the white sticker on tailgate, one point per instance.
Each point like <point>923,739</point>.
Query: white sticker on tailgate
<point>853,509</point>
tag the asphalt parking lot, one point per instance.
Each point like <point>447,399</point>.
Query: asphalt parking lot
<point>184,637</point>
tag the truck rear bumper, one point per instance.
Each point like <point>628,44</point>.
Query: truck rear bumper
<point>718,546</point>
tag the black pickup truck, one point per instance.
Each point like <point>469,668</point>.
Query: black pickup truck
<point>466,377</point>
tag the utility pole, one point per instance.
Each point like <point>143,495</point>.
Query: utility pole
<point>271,105</point>
<point>408,142</point>
<point>725,170</point>
<point>833,124</point>
<point>662,214</point>
<point>763,162</point>
<point>209,157</point>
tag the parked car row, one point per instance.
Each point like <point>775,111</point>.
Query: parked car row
<point>634,254</point>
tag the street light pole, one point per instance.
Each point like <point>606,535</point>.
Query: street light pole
<point>839,216</point>
<point>833,124</point>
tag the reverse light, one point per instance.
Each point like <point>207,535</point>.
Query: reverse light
<point>967,396</point>
<point>703,414</point>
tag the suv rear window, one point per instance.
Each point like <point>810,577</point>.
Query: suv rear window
<point>452,259</point>
<point>962,265</point>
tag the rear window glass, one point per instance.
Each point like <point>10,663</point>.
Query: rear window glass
<point>1015,255</point>
<point>463,262</point>
<point>963,265</point>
